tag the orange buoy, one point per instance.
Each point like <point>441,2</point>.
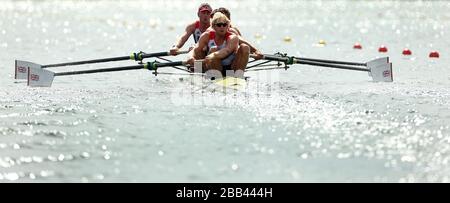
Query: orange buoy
<point>382,49</point>
<point>434,54</point>
<point>406,51</point>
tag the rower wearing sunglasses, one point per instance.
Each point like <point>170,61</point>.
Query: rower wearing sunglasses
<point>235,30</point>
<point>223,51</point>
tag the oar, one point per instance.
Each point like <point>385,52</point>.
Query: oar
<point>379,69</point>
<point>21,67</point>
<point>323,60</point>
<point>331,61</point>
<point>39,77</point>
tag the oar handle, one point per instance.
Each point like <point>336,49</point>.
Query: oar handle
<point>272,57</point>
<point>156,65</point>
<point>158,54</point>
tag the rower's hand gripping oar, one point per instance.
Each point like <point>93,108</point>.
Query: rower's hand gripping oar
<point>21,67</point>
<point>39,77</point>
<point>379,69</point>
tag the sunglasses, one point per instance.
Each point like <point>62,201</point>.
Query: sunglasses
<point>221,24</point>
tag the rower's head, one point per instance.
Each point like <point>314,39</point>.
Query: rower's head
<point>223,10</point>
<point>204,12</point>
<point>220,23</point>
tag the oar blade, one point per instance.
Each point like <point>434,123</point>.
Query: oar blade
<point>377,62</point>
<point>382,73</point>
<point>21,69</point>
<point>38,77</point>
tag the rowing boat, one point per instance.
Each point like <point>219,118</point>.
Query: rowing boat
<point>37,75</point>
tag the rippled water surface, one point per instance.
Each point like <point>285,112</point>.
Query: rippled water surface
<point>306,124</point>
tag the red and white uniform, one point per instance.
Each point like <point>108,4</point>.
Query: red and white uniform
<point>197,31</point>
<point>212,44</point>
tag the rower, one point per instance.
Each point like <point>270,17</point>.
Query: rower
<point>227,13</point>
<point>235,30</point>
<point>195,29</point>
<point>223,49</point>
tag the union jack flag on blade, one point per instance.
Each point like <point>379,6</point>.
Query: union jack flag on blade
<point>22,69</point>
<point>34,77</point>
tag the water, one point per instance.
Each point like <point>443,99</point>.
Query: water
<point>306,124</point>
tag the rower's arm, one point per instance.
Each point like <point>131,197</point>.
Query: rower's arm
<point>197,52</point>
<point>236,31</point>
<point>188,32</point>
<point>243,41</point>
<point>182,40</point>
<point>231,46</point>
<point>253,50</point>
<point>201,45</point>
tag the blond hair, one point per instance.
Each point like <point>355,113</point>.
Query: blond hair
<point>219,18</point>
